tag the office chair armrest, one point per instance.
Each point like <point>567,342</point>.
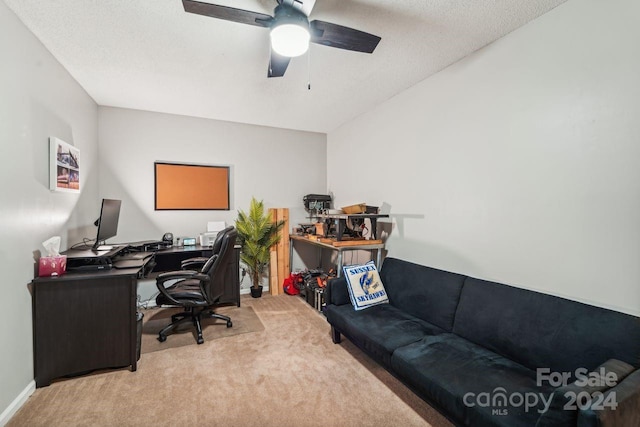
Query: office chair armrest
<point>181,275</point>
<point>202,277</point>
<point>193,263</point>
<point>177,276</point>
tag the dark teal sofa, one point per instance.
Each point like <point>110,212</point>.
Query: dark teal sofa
<point>489,354</point>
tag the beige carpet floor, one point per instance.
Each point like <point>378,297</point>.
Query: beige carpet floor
<point>244,320</point>
<point>288,374</point>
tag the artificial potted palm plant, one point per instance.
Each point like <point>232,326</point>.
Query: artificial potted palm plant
<point>257,232</point>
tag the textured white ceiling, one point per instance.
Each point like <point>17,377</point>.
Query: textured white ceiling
<point>151,55</point>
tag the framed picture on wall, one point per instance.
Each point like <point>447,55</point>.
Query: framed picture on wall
<point>64,166</point>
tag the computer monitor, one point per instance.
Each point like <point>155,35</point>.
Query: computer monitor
<point>108,221</point>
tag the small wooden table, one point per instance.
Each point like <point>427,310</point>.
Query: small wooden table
<point>339,246</point>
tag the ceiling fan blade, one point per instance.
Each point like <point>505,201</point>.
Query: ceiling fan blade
<point>277,65</point>
<point>227,13</point>
<point>328,34</point>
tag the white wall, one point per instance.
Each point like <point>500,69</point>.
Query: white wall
<point>39,99</point>
<point>518,164</point>
<point>277,166</point>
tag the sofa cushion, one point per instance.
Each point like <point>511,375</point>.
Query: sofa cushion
<point>470,383</point>
<point>544,331</point>
<point>427,293</point>
<point>379,330</point>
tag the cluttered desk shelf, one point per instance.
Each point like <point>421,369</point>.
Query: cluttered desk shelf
<point>343,222</point>
<point>351,228</point>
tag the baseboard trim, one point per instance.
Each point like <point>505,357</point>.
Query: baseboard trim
<point>17,403</point>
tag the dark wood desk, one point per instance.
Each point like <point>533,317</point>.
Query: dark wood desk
<point>86,320</point>
<point>83,322</point>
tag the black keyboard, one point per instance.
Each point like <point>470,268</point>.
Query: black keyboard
<point>144,243</point>
<point>134,256</point>
<point>148,245</point>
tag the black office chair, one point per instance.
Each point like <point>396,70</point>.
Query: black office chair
<point>197,291</point>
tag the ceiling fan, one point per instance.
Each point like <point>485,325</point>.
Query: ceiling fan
<point>291,30</point>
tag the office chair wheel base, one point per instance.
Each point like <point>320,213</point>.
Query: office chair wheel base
<point>162,338</point>
<point>229,324</point>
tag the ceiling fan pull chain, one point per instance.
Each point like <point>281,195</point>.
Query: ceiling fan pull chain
<point>309,69</point>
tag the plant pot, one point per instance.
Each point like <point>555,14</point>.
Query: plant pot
<point>256,292</point>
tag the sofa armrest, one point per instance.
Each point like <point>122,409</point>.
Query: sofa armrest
<point>336,292</point>
<point>566,402</point>
<point>618,406</point>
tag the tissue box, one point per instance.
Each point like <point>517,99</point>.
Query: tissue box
<point>52,265</point>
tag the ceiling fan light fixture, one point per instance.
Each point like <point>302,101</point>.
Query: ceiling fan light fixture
<point>289,31</point>
<point>290,40</point>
